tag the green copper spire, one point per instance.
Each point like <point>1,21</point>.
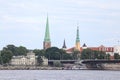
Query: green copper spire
<point>77,36</point>
<point>47,34</point>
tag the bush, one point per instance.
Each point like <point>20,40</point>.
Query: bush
<point>57,63</point>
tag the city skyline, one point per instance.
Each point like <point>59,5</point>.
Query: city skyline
<point>23,22</point>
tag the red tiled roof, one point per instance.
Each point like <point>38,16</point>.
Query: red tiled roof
<point>100,48</point>
<point>93,48</point>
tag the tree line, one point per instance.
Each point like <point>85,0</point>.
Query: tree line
<point>52,53</point>
<point>9,51</point>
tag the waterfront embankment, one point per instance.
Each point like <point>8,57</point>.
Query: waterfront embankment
<point>29,68</point>
<point>106,67</point>
<point>112,67</point>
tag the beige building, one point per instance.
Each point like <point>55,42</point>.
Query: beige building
<point>30,59</point>
<point>45,61</point>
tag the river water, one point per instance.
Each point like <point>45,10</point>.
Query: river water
<point>59,75</point>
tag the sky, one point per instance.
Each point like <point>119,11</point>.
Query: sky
<point>23,22</point>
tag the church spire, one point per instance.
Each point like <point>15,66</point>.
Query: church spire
<point>77,36</point>
<point>64,45</point>
<point>47,42</point>
<point>77,46</point>
<point>47,33</point>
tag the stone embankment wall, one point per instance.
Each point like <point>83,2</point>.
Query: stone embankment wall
<point>29,68</point>
<point>111,66</point>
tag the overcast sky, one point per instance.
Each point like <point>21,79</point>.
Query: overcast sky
<point>23,22</point>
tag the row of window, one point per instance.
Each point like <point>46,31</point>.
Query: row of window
<point>106,49</point>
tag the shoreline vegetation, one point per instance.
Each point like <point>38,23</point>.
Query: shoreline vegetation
<point>29,68</point>
<point>11,57</point>
<point>115,67</point>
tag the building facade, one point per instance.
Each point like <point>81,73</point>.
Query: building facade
<point>45,61</point>
<point>29,60</point>
<point>107,50</point>
<point>117,49</point>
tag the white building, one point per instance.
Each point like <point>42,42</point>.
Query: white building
<point>45,61</point>
<point>117,49</point>
<point>30,59</point>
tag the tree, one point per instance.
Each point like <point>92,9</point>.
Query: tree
<point>16,50</point>
<point>86,54</point>
<point>116,56</point>
<point>11,48</point>
<point>101,55</point>
<point>57,64</point>
<point>1,59</point>
<point>21,50</point>
<point>39,60</point>
<point>108,56</point>
<point>64,55</point>
<point>39,52</point>
<point>76,55</point>
<point>54,53</point>
<point>91,54</point>
<point>6,56</point>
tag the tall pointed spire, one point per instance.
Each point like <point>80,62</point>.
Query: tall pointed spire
<point>64,45</point>
<point>77,36</point>
<point>77,46</point>
<point>47,33</point>
<point>47,42</point>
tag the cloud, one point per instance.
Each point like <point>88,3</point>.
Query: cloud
<point>27,5</point>
<point>110,40</point>
<point>108,4</point>
<point>28,18</point>
<point>23,19</point>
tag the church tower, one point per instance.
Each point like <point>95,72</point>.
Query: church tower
<point>77,45</point>
<point>47,42</point>
<point>64,45</point>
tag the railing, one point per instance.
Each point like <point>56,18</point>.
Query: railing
<point>88,61</point>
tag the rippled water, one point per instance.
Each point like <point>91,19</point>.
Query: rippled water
<point>59,75</point>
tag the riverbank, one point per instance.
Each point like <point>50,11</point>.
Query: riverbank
<point>106,67</point>
<point>112,66</point>
<point>29,68</point>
